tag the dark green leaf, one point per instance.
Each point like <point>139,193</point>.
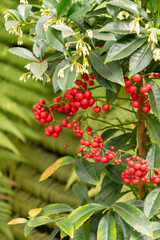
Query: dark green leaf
<point>114,173</point>
<point>53,233</point>
<point>117,27</point>
<point>126,4</point>
<point>78,9</point>
<point>108,133</point>
<point>119,142</point>
<point>55,39</point>
<point>82,213</point>
<point>152,203</point>
<point>124,48</point>
<point>80,190</point>
<point>154,97</point>
<point>153,156</point>
<point>106,228</point>
<point>153,127</point>
<point>123,229</point>
<point>113,11</point>
<point>23,52</point>
<point>111,96</point>
<point>63,7</point>
<point>24,11</point>
<point>79,234</point>
<point>110,71</point>
<point>27,229</point>
<point>134,217</point>
<point>86,171</point>
<point>140,59</point>
<point>39,221</point>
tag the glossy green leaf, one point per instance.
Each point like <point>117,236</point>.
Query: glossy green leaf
<point>15,13</point>
<point>23,52</point>
<point>106,228</point>
<point>39,68</point>
<point>55,39</point>
<point>140,59</point>
<point>119,142</point>
<point>66,226</point>
<point>154,98</point>
<point>117,27</point>
<point>136,236</point>
<point>111,71</point>
<point>108,133</point>
<point>27,229</point>
<point>124,48</point>
<point>126,4</point>
<point>39,221</point>
<point>153,156</point>
<point>39,48</point>
<point>152,203</point>
<point>153,127</point>
<point>55,209</point>
<point>79,9</point>
<point>51,4</point>
<point>66,31</point>
<point>134,217</point>
<point>122,228</point>
<point>59,163</point>
<point>82,213</point>
<point>86,171</point>
<point>68,80</point>
<point>80,190</point>
<point>79,234</point>
<point>61,65</point>
<point>111,96</point>
<point>53,233</point>
<point>103,36</point>
<point>24,10</point>
<point>63,7</point>
<point>115,173</point>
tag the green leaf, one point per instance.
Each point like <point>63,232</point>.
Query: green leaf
<point>152,203</point>
<point>39,68</point>
<point>11,23</point>
<point>23,52</point>
<point>66,225</point>
<point>24,10</point>
<point>78,9</point>
<point>27,229</point>
<point>108,133</point>
<point>156,230</point>
<point>55,39</point>
<point>140,59</point>
<point>154,98</point>
<point>39,221</point>
<point>134,217</point>
<point>63,7</point>
<point>153,127</point>
<point>6,143</point>
<point>123,229</point>
<point>155,5</point>
<point>153,156</point>
<point>59,163</point>
<point>111,71</point>
<point>68,80</point>
<point>80,190</point>
<point>137,236</point>
<point>115,173</point>
<point>86,171</point>
<point>39,48</point>
<point>15,13</point>
<point>106,228</point>
<point>79,234</point>
<point>53,233</point>
<point>51,4</point>
<point>117,27</point>
<point>111,96</point>
<point>103,36</point>
<point>126,4</point>
<point>119,142</point>
<point>123,48</point>
<point>82,213</point>
<point>66,31</point>
<point>55,209</point>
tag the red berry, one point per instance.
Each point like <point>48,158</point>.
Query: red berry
<point>85,77</point>
<point>69,125</point>
<point>135,104</point>
<point>44,115</point>
<point>84,101</point>
<point>97,109</point>
<point>65,146</point>
<point>105,106</point>
<point>132,89</point>
<point>146,109</point>
<point>91,102</point>
<point>92,76</point>
<point>55,134</point>
<point>135,181</point>
<point>79,96</point>
<point>134,96</point>
<point>127,180</point>
<point>87,94</point>
<point>112,147</point>
<point>50,129</point>
<point>58,128</point>
<point>64,123</point>
<point>91,83</point>
<point>136,77</point>
<point>41,101</point>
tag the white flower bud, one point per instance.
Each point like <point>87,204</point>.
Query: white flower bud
<point>90,33</point>
<point>156,54</point>
<point>61,73</point>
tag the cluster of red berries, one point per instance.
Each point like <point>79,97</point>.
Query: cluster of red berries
<point>154,74</point>
<point>40,112</point>
<point>87,80</point>
<point>138,94</point>
<point>138,170</point>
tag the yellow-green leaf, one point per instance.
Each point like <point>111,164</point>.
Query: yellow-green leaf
<point>17,221</point>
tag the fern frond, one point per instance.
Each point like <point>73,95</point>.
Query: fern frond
<point>7,143</point>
